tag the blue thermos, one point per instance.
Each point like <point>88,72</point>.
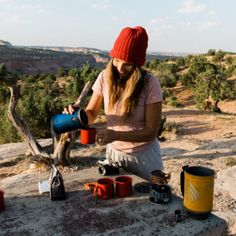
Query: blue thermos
<point>62,123</point>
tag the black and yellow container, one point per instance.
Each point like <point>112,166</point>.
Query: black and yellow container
<point>197,186</point>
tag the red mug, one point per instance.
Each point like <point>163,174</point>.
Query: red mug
<point>123,186</point>
<point>104,188</point>
<point>87,136</point>
<point>2,204</point>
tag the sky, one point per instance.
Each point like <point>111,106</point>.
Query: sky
<point>189,26</point>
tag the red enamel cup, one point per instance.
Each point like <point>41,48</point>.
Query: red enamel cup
<point>123,186</point>
<point>104,188</point>
<point>87,136</point>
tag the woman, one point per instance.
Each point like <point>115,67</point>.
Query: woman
<point>132,102</point>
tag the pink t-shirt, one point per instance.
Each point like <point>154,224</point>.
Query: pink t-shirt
<point>136,121</point>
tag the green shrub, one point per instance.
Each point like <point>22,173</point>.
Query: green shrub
<point>172,101</point>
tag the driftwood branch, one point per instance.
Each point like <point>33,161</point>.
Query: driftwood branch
<point>64,143</point>
<point>84,92</point>
<point>21,126</point>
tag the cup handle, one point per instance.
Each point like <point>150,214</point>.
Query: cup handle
<point>182,179</point>
<point>182,182</point>
<point>90,186</point>
<point>93,186</point>
<point>95,191</point>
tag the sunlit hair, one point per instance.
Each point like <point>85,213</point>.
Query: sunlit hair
<point>131,90</point>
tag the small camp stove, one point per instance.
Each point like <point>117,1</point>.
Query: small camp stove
<point>160,191</point>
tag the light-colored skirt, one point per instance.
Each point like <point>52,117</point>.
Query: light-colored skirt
<point>140,163</point>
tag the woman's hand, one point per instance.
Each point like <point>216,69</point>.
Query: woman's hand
<point>105,136</point>
<point>70,109</point>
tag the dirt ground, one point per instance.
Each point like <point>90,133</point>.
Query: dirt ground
<point>194,138</point>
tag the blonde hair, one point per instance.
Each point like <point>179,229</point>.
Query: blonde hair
<point>131,91</point>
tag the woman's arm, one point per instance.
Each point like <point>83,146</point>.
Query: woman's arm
<point>93,107</point>
<point>149,132</point>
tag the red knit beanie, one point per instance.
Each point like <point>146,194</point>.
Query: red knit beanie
<point>131,45</point>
